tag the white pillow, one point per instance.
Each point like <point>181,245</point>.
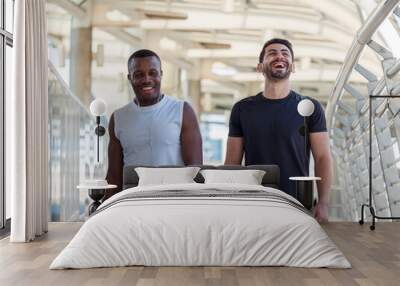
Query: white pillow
<point>248,177</point>
<point>165,176</point>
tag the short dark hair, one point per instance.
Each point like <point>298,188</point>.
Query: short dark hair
<point>144,53</point>
<point>275,41</point>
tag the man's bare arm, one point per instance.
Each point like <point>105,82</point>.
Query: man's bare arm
<point>234,151</point>
<point>115,162</point>
<point>323,168</point>
<point>191,142</point>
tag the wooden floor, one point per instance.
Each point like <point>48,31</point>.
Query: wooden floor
<point>374,255</point>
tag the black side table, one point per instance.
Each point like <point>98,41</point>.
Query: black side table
<point>96,193</point>
<point>305,190</point>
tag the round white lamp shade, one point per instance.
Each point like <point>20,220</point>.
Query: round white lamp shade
<point>98,107</point>
<point>305,107</point>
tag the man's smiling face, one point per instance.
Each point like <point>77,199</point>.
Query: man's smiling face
<point>277,62</point>
<point>145,77</point>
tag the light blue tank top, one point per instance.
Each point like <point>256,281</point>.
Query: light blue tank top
<point>150,135</point>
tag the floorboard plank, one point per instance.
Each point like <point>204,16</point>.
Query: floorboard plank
<point>374,255</point>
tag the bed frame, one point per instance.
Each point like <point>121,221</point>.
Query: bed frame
<point>270,179</point>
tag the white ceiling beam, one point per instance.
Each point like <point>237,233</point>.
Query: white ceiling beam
<point>212,86</point>
<point>304,75</point>
<point>114,24</point>
<point>249,19</point>
<point>346,15</point>
<point>182,39</point>
<point>228,6</point>
<point>238,66</point>
<point>181,63</point>
<point>104,16</point>
<point>219,35</point>
<point>152,41</point>
<point>137,42</point>
<point>72,8</point>
<point>300,51</point>
<point>208,6</point>
<point>218,20</point>
<point>123,36</point>
<point>227,83</point>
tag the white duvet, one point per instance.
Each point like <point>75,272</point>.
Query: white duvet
<point>182,231</point>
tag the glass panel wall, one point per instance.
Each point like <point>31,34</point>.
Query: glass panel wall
<point>72,146</point>
<point>9,19</point>
<point>2,96</point>
<point>6,42</point>
<point>8,74</point>
<point>213,130</point>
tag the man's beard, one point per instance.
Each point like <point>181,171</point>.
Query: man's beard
<point>277,75</point>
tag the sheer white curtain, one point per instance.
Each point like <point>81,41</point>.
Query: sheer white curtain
<point>27,117</point>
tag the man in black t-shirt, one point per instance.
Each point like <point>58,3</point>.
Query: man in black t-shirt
<point>265,127</point>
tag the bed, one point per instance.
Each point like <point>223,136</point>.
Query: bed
<point>201,224</point>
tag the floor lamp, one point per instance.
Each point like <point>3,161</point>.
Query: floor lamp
<point>305,108</point>
<point>98,185</point>
<point>304,184</point>
<point>98,108</point>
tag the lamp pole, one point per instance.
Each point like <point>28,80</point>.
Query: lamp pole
<point>305,108</point>
<point>98,108</point>
<point>305,146</point>
<point>98,137</point>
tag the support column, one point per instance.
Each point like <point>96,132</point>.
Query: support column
<point>195,96</point>
<point>80,66</point>
<point>80,85</point>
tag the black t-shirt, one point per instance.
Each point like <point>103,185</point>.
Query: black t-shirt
<point>270,131</point>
